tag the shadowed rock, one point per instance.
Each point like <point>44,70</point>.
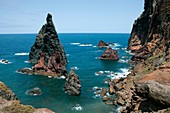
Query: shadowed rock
<point>72,85</point>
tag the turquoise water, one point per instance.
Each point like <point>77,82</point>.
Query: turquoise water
<point>15,48</point>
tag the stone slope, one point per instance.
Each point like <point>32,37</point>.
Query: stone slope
<point>47,54</point>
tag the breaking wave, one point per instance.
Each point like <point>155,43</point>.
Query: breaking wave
<point>21,54</point>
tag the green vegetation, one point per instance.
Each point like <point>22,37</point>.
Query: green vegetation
<point>155,57</point>
<point>168,110</point>
<point>17,107</point>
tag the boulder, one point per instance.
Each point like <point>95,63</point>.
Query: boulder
<point>102,44</point>
<point>103,92</point>
<point>72,85</point>
<point>155,91</point>
<point>109,54</point>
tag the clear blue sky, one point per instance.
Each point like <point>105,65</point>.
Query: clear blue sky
<point>69,16</point>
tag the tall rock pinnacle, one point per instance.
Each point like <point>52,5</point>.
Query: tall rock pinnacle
<point>47,53</point>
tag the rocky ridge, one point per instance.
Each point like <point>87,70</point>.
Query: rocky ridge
<point>146,89</point>
<point>10,104</point>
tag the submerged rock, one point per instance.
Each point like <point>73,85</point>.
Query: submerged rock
<point>47,54</point>
<point>102,44</point>
<point>34,92</point>
<point>72,85</point>
<point>110,54</point>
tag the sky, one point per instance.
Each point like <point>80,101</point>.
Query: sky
<point>69,16</point>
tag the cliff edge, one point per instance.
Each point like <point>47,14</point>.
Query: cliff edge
<point>147,87</point>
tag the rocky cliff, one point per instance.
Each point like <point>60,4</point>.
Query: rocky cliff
<point>151,31</point>
<point>10,104</point>
<point>146,89</point>
<point>150,41</point>
<point>47,54</point>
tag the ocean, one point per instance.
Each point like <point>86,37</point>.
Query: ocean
<point>82,54</point>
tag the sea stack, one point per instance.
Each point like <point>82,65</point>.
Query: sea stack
<point>110,54</point>
<point>72,85</point>
<point>47,54</point>
<point>102,44</point>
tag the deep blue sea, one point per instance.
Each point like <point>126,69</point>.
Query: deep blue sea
<point>82,55</point>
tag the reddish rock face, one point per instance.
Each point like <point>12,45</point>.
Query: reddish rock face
<point>110,54</point>
<point>47,54</point>
<point>102,44</point>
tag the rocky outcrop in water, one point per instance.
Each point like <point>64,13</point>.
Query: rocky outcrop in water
<point>102,44</point>
<point>146,89</point>
<point>47,54</point>
<point>72,85</point>
<point>109,54</point>
<point>10,104</point>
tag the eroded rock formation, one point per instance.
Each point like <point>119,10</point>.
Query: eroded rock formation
<point>102,44</point>
<point>109,54</point>
<point>72,85</point>
<point>47,54</point>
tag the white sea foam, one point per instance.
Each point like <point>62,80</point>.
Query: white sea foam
<point>75,43</point>
<point>105,73</point>
<point>3,61</point>
<point>97,96</point>
<point>122,61</point>
<point>116,45</point>
<point>74,68</point>
<point>61,77</point>
<point>96,88</point>
<point>77,107</point>
<point>85,45</point>
<point>49,76</point>
<point>67,54</point>
<point>124,72</point>
<point>129,52</point>
<point>21,54</point>
<point>98,51</point>
<point>94,46</point>
<point>115,48</point>
<point>26,61</point>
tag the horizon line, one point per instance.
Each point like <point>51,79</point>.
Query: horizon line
<point>74,33</point>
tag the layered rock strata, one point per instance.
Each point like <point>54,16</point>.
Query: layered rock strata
<point>47,54</point>
<point>10,104</point>
<point>109,54</point>
<point>72,85</point>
